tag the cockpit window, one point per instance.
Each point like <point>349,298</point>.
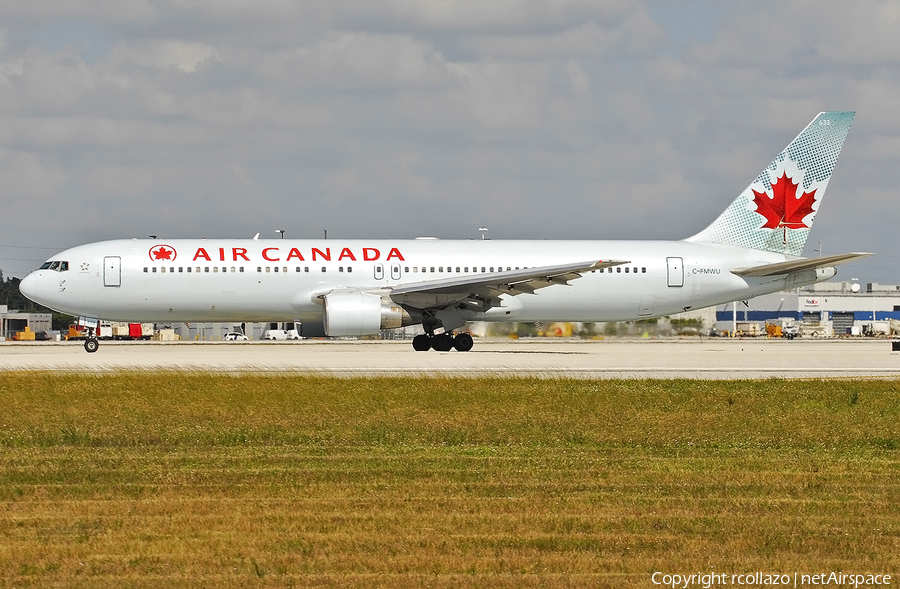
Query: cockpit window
<point>55,265</point>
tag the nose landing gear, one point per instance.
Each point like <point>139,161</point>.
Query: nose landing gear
<point>443,342</point>
<point>91,344</point>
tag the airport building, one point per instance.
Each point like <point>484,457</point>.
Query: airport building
<point>827,309</point>
<point>13,322</point>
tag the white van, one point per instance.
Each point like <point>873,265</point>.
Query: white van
<point>281,334</point>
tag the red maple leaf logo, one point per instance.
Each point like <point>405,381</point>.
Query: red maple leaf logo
<point>785,208</point>
<point>162,252</point>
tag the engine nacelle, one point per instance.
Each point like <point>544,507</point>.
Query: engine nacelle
<point>349,314</point>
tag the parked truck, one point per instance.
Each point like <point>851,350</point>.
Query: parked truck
<point>782,327</point>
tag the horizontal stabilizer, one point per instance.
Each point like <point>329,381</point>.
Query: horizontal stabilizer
<point>799,265</point>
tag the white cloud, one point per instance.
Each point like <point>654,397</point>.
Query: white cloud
<point>563,119</point>
<point>25,175</point>
<point>165,54</point>
<point>105,10</point>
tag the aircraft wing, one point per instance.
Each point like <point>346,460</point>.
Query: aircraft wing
<point>443,292</point>
<point>799,265</point>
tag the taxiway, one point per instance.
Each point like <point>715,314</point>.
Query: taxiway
<point>716,358</point>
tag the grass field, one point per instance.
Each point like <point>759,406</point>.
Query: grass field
<point>197,480</point>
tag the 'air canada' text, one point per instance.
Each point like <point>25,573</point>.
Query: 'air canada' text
<point>275,254</point>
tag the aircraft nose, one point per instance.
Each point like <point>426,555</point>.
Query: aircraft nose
<point>29,286</point>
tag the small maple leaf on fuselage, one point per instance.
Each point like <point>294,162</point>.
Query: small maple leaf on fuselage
<point>162,254</point>
<point>785,208</point>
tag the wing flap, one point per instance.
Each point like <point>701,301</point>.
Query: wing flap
<point>488,285</point>
<point>798,265</point>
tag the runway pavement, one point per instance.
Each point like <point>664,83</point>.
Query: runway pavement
<point>716,358</point>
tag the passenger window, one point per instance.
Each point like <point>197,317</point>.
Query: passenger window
<point>492,268</point>
<point>146,269</point>
<point>259,268</point>
<point>284,269</point>
<point>188,268</point>
<point>440,268</point>
<point>482,268</point>
<point>340,268</point>
<point>215,269</point>
<point>242,269</point>
<point>415,269</point>
<point>643,270</point>
<point>306,268</point>
<point>198,269</point>
<point>268,269</point>
<point>181,269</point>
<point>276,268</point>
<point>232,269</point>
<point>457,268</point>
<point>349,268</point>
<point>406,268</point>
<point>618,269</point>
<point>432,269</point>
<point>323,268</point>
<point>154,269</point>
<point>163,269</point>
<point>626,269</point>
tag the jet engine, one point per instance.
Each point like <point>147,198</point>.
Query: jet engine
<point>360,313</point>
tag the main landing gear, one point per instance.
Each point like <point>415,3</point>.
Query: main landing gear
<point>443,342</point>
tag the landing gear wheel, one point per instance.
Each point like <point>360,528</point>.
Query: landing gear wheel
<point>91,345</point>
<point>421,343</point>
<point>463,342</point>
<point>442,342</point>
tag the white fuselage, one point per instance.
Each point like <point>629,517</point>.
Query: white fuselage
<point>283,280</point>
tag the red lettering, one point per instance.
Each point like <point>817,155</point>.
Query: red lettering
<point>370,257</point>
<point>265,254</point>
<point>201,253</point>
<point>326,255</point>
<point>222,254</point>
<point>346,253</point>
<point>239,251</point>
<point>395,253</point>
<point>295,253</point>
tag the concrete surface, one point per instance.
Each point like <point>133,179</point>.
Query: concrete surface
<point>716,358</point>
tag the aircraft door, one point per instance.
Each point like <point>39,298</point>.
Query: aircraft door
<point>112,271</point>
<point>379,272</point>
<point>395,271</point>
<point>676,271</point>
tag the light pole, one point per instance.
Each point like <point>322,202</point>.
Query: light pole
<point>281,231</point>
<point>483,231</point>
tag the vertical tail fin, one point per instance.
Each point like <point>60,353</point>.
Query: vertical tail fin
<point>776,212</point>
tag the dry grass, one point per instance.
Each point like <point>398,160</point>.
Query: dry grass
<point>183,479</point>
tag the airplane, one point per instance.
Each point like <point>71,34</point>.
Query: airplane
<point>351,288</point>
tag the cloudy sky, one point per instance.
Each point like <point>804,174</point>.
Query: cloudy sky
<point>397,118</point>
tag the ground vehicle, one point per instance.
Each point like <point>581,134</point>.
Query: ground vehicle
<point>281,334</point>
<point>785,328</point>
<point>235,336</point>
